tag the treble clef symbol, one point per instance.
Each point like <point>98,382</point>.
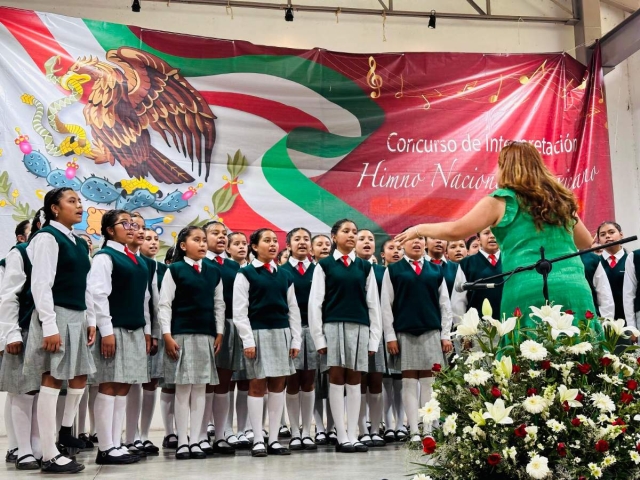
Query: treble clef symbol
<point>373,80</point>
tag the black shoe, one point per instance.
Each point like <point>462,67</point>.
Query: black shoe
<point>389,436</point>
<point>65,438</point>
<point>63,450</point>
<point>222,447</point>
<point>366,440</point>
<point>196,455</point>
<point>333,438</point>
<point>169,442</point>
<point>346,447</point>
<point>271,450</point>
<point>103,458</point>
<point>184,455</point>
<point>284,432</point>
<point>360,447</point>
<point>134,450</point>
<point>33,465</point>
<point>258,452</point>
<point>205,446</point>
<point>11,455</point>
<point>148,447</point>
<point>88,444</point>
<point>309,446</point>
<point>94,438</point>
<point>243,442</point>
<point>296,444</point>
<point>50,466</point>
<point>402,436</point>
<point>377,441</point>
<point>321,438</point>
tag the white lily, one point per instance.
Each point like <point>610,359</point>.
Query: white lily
<point>498,412</point>
<point>569,396</point>
<point>545,311</point>
<point>469,324</point>
<point>504,367</point>
<point>487,311</point>
<point>618,326</point>
<point>503,327</point>
<point>561,323</point>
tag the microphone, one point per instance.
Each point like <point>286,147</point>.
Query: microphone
<point>463,287</point>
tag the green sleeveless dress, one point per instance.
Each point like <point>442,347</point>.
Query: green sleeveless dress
<point>520,244</point>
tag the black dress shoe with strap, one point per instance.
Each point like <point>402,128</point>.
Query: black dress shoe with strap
<point>170,442</point>
<point>31,465</point>
<point>346,447</point>
<point>184,454</point>
<point>103,458</point>
<point>197,454</point>
<point>271,450</point>
<point>308,445</point>
<point>11,456</point>
<point>222,447</point>
<point>50,466</point>
<point>148,447</point>
<point>258,452</point>
<point>360,447</point>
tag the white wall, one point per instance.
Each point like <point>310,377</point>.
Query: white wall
<point>365,34</point>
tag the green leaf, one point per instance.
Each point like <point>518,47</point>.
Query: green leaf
<point>227,206</point>
<point>219,198</point>
<point>231,168</point>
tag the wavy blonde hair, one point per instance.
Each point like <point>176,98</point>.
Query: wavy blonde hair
<point>521,169</point>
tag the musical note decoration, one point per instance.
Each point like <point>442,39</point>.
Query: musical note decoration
<point>524,79</point>
<point>494,98</point>
<point>374,80</point>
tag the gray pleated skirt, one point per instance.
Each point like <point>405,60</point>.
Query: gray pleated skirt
<point>379,363</point>
<point>129,365</point>
<point>196,364</point>
<point>347,346</point>
<point>74,357</point>
<point>229,357</point>
<point>12,379</point>
<point>418,352</point>
<point>272,354</point>
<point>308,358</point>
<point>155,363</point>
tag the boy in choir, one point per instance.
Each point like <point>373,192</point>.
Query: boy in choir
<point>599,285</point>
<point>473,245</point>
<point>456,250</point>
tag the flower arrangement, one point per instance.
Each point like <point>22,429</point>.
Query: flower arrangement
<point>560,400</point>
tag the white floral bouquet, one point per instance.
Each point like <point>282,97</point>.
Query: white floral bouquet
<point>549,402</point>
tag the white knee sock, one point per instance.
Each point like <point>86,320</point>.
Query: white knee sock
<point>353,411</point>
<point>397,404</point>
<point>410,400</point>
<point>255,406</point>
<point>375,410</point>
<point>387,393</point>
<point>241,409</point>
<point>307,401</point>
<point>198,401</point>
<point>104,406</point>
<point>228,429</point>
<point>318,413</point>
<point>119,412</point>
<point>47,403</point>
<point>426,387</point>
<point>21,412</point>
<point>182,410</point>
<point>60,410</point>
<point>36,446</point>
<point>11,435</point>
<point>208,406</point>
<point>167,411</point>
<point>276,408</point>
<point>74,395</point>
<point>134,406</point>
<point>362,416</point>
<point>148,407</point>
<point>336,399</point>
<point>82,411</point>
<point>293,407</point>
<point>220,410</point>
<point>93,393</point>
<point>283,420</point>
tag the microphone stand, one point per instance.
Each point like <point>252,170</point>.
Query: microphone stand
<point>544,266</point>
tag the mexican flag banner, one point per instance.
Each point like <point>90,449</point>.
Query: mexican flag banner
<point>187,129</point>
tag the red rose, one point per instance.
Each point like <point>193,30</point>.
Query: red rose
<point>626,398</point>
<point>638,360</point>
<point>584,368</point>
<point>562,450</point>
<point>517,312</point>
<point>638,447</point>
<point>582,477</point>
<point>576,422</point>
<point>474,391</point>
<point>545,364</point>
<point>569,312</point>
<point>531,392</point>
<point>521,431</point>
<point>495,391</point>
<point>436,367</point>
<point>565,406</point>
<point>632,384</point>
<point>579,397</point>
<point>494,459</point>
<point>605,361</point>
<point>515,369</point>
<point>429,445</point>
<point>602,446</point>
<point>620,422</point>
<point>589,315</point>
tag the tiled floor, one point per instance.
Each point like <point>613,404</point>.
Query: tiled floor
<point>391,463</point>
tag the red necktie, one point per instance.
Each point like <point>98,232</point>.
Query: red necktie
<point>493,260</point>
<point>267,267</point>
<point>131,255</point>
<point>418,269</point>
<point>345,260</point>
<point>612,261</point>
<point>437,261</point>
<point>301,268</point>
<point>219,260</point>
<point>196,267</point>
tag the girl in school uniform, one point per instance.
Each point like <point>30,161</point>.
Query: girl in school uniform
<point>416,312</point>
<point>58,343</point>
<point>344,319</point>
<point>320,247</point>
<point>119,284</point>
<point>16,303</point>
<point>267,319</point>
<point>301,385</point>
<point>193,323</point>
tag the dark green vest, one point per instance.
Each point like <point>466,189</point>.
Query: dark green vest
<point>476,267</point>
<point>345,298</point>
<point>228,271</point>
<point>302,285</point>
<point>636,264</point>
<point>268,305</point>
<point>73,265</point>
<point>416,305</point>
<point>24,297</point>
<point>193,309</point>
<point>450,270</point>
<point>129,283</point>
<point>616,280</point>
<point>378,271</point>
<point>591,262</point>
<point>162,269</point>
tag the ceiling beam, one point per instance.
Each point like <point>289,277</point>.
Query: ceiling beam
<point>476,7</point>
<point>628,6</point>
<point>562,6</point>
<point>621,42</point>
<point>384,7</point>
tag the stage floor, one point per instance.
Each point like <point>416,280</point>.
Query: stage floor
<point>392,463</point>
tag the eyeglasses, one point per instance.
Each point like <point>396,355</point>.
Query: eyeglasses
<point>127,225</point>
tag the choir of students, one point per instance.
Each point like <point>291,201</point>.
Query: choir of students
<point>235,325</point>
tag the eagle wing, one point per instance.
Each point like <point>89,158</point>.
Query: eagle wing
<point>163,99</point>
